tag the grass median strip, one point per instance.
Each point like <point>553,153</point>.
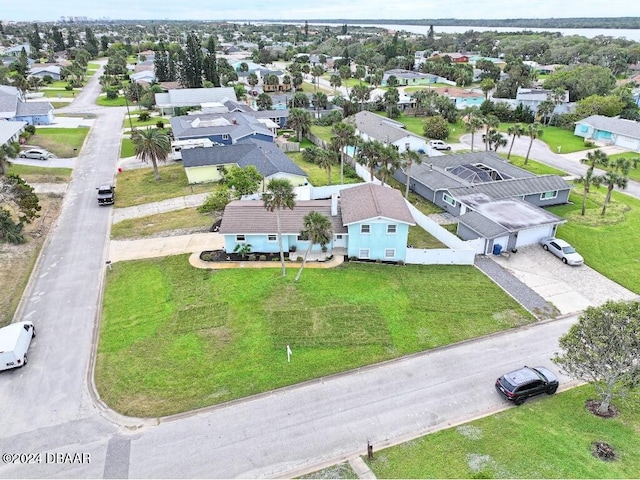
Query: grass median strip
<point>174,338</point>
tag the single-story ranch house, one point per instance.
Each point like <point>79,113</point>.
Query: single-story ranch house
<point>492,199</point>
<point>614,131</point>
<point>369,221</point>
<point>206,164</point>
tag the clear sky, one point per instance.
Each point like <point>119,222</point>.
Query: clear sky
<point>47,10</point>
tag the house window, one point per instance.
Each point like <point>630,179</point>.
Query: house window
<point>389,253</point>
<point>392,229</point>
<point>303,238</point>
<point>272,238</point>
<point>548,195</point>
<point>364,253</point>
<point>240,238</point>
<point>365,228</point>
<point>449,199</point>
<point>225,136</point>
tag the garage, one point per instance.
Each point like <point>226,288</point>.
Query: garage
<point>628,142</point>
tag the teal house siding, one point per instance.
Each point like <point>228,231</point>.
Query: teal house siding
<point>379,243</point>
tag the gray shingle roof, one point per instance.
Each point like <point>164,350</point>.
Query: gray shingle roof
<point>265,156</point>
<point>8,103</point>
<point>512,188</point>
<point>235,124</point>
<point>26,109</point>
<point>512,213</point>
<point>371,201</point>
<point>250,217</point>
<point>482,225</point>
<point>378,127</point>
<point>628,128</point>
<point>9,129</point>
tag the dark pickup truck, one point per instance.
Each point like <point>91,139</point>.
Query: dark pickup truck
<point>106,194</point>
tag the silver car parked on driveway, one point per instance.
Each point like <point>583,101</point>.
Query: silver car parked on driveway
<point>36,153</point>
<point>562,250</point>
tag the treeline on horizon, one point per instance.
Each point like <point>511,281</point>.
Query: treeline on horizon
<point>596,22</point>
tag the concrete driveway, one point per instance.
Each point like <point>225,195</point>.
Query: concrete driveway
<point>569,289</point>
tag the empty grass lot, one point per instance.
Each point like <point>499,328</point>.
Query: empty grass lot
<point>141,227</point>
<point>41,174</point>
<point>554,137</point>
<point>608,244</point>
<point>62,142</point>
<point>139,186</point>
<point>547,438</point>
<point>174,338</point>
<point>532,166</point>
<point>321,132</point>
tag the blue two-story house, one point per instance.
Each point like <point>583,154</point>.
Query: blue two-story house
<point>370,221</point>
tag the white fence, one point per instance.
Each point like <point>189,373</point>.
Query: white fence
<point>460,252</point>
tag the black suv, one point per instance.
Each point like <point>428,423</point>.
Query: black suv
<point>106,194</point>
<point>526,382</point>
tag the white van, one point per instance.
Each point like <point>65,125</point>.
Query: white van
<point>14,343</point>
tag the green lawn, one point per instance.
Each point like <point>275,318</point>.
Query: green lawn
<point>103,101</point>
<point>147,123</point>
<point>546,438</point>
<point>60,104</point>
<point>174,338</point>
<point>554,137</point>
<point>634,174</point>
<point>608,244</point>
<point>41,174</point>
<point>318,176</point>
<point>162,222</point>
<point>416,125</point>
<point>419,238</point>
<point>342,470</point>
<point>323,133</point>
<point>533,166</point>
<point>415,88</point>
<point>127,148</point>
<point>60,93</point>
<point>93,66</point>
<point>62,142</point>
<point>138,186</point>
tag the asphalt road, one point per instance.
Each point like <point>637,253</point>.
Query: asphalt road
<point>47,407</point>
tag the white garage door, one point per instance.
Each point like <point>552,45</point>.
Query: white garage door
<point>533,235</point>
<point>628,142</point>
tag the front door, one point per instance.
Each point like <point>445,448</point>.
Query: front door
<point>340,241</point>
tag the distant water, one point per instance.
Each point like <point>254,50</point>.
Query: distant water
<point>629,34</point>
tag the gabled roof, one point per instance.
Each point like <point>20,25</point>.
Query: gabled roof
<point>408,74</point>
<point>250,217</point>
<point>265,156</point>
<point>378,127</point>
<point>9,129</point>
<point>370,201</point>
<point>628,128</point>
<point>8,104</point>
<point>513,187</point>
<point>35,69</point>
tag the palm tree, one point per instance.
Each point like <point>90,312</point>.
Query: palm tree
<point>369,155</point>
<point>490,121</point>
<point>409,157</point>
<point>545,109</point>
<point>317,72</point>
<point>390,100</point>
<point>326,159</point>
<point>151,145</point>
<point>300,121</point>
<point>535,131</point>
<point>611,179</point>
<point>335,82</point>
<point>320,101</point>
<point>279,195</point>
<point>390,160</point>
<point>515,131</point>
<point>344,134</point>
<point>473,122</point>
<point>495,140</point>
<point>311,154</point>
<point>593,159</point>
<point>318,230</point>
<point>252,79</point>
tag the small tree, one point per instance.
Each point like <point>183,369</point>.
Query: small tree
<point>436,127</point>
<point>242,249</point>
<point>242,181</point>
<point>603,348</point>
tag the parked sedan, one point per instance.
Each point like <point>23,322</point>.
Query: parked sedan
<point>37,153</point>
<point>562,250</point>
<point>526,382</point>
